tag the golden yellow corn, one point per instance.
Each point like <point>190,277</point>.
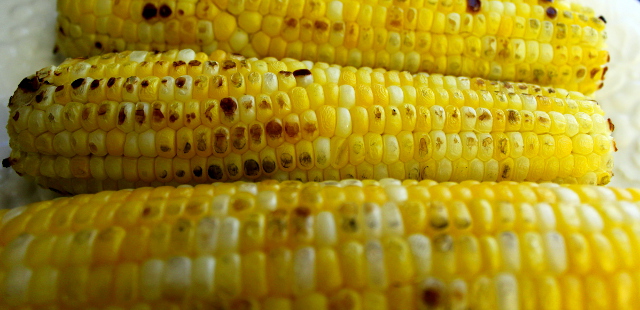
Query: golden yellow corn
<point>105,123</point>
<point>543,42</point>
<point>330,245</point>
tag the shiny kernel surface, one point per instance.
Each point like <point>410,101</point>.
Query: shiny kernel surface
<point>197,118</point>
<point>295,245</point>
<point>543,42</point>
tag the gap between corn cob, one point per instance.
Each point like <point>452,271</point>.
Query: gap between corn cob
<point>542,42</point>
<point>330,245</point>
<point>141,118</point>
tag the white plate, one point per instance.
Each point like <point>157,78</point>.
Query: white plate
<point>27,39</point>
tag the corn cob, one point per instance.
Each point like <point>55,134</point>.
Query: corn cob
<point>141,118</point>
<point>542,42</point>
<point>332,245</point>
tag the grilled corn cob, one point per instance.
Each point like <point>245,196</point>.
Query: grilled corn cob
<point>542,42</point>
<point>331,245</point>
<point>141,118</point>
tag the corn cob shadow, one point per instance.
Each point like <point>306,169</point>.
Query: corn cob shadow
<point>136,119</point>
<point>329,245</point>
<point>554,43</point>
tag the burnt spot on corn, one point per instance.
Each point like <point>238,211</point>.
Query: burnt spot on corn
<point>240,141</point>
<point>149,11</point>
<point>139,116</point>
<point>111,82</point>
<point>6,163</point>
<point>291,22</point>
<point>157,115</point>
<point>228,64</point>
<point>604,20</point>
<point>274,129</point>
<point>285,73</point>
<point>180,173</point>
<point>103,109</point>
<point>473,6</point>
<point>291,129</point>
<point>77,83</point>
<point>93,147</point>
<point>165,148</point>
<point>98,45</point>
<point>174,117</point>
<point>268,165</point>
<point>122,116</point>
<point>163,174</point>
<point>305,159</point>
<point>581,73</point>
<point>321,25</point>
<point>187,148</point>
<point>60,88</point>
<point>612,127</point>
<point>337,27</point>
<point>432,297</point>
<point>264,104</point>
<point>255,132</point>
<point>181,81</point>
<point>197,171</point>
<point>615,146</point>
<point>484,116</point>
<point>94,84</point>
<point>286,160</point>
<point>195,63</point>
<point>16,116</point>
<point>301,72</point>
<point>39,97</point>
<point>506,171</point>
<point>51,118</point>
<point>228,106</point>
<point>604,71</point>
<point>513,116</point>
<point>251,168</point>
<point>201,142</point>
<point>221,141</point>
<point>208,114</point>
<point>310,128</point>
<point>29,85</point>
<point>552,12</point>
<point>232,169</point>
<point>218,81</point>
<point>594,71</point>
<point>85,114</point>
<point>165,11</point>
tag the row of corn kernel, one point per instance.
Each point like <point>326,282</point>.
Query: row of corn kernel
<point>281,164</point>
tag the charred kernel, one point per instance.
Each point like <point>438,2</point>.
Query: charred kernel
<point>179,63</point>
<point>602,19</point>
<point>615,146</point>
<point>305,159</point>
<point>6,163</point>
<point>85,114</point>
<point>111,82</point>
<point>286,160</point>
<point>180,173</point>
<point>228,105</point>
<point>321,25</point>
<point>165,11</point>
<point>165,148</point>
<point>158,116</point>
<point>301,72</point>
<point>16,116</point>
<point>228,64</point>
<point>122,116</point>
<point>94,84</point>
<point>274,129</point>
<point>195,63</point>
<point>181,81</point>
<point>432,297</point>
<point>233,169</point>
<point>251,167</point>
<point>98,45</point>
<point>144,83</point>
<point>256,133</point>
<point>581,73</point>
<point>604,71</point>
<point>285,73</point>
<point>149,11</point>
<point>174,117</point>
<point>139,116</point>
<point>197,171</point>
<point>292,129</point>
<point>39,97</point>
<point>77,83</point>
<point>473,6</point>
<point>29,85</point>
<point>268,165</point>
<point>51,118</point>
<point>187,147</point>
<point>612,127</point>
<point>163,174</point>
<point>60,88</point>
<point>552,12</point>
<point>102,110</point>
<point>594,71</point>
